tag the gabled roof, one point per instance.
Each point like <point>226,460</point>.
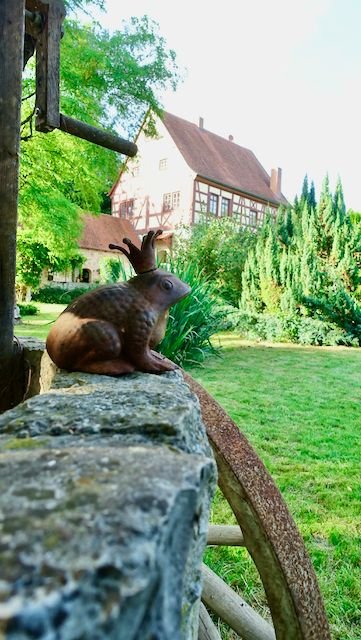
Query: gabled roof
<point>100,231</point>
<point>219,160</point>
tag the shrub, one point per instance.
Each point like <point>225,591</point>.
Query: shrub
<point>28,309</point>
<point>193,320</point>
<point>58,295</point>
<point>302,330</point>
<point>318,332</point>
<point>228,315</point>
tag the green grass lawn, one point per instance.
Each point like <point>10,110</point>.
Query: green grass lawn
<point>300,408</point>
<point>39,326</point>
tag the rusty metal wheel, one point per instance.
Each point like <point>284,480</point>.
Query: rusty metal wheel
<point>269,532</point>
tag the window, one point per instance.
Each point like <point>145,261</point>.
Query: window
<point>213,204</point>
<point>162,164</point>
<point>253,217</point>
<point>225,206</point>
<point>202,204</point>
<point>167,201</point>
<point>126,209</point>
<point>175,199</point>
<point>171,201</point>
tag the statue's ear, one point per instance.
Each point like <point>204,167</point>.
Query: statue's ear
<point>143,259</point>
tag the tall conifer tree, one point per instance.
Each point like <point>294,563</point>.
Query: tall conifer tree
<point>305,258</point>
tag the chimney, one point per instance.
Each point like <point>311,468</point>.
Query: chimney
<point>276,177</point>
<point>201,123</point>
<point>230,138</point>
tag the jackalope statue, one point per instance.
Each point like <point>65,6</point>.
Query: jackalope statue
<point>113,329</point>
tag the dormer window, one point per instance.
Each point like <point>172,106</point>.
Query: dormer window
<point>163,164</point>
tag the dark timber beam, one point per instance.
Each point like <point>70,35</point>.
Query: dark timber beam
<point>48,65</point>
<point>11,64</point>
<point>97,136</point>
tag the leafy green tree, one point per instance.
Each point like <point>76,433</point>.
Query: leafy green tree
<point>220,248</point>
<point>107,80</point>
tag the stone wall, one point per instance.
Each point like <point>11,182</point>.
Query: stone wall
<point>105,488</point>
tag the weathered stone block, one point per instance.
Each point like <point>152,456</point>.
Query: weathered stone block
<point>39,369</point>
<point>105,487</point>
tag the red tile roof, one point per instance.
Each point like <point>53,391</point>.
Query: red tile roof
<point>220,160</point>
<point>101,230</point>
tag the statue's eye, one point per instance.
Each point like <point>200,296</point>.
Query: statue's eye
<point>167,285</point>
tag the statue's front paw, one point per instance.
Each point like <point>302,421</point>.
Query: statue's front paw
<point>168,365</point>
<point>156,363</point>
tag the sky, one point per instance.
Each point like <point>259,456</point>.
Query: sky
<point>282,76</point>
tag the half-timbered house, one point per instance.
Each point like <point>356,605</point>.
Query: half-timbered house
<point>187,175</point>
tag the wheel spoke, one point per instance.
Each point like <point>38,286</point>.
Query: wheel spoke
<point>207,629</point>
<point>232,609</point>
<point>227,535</point>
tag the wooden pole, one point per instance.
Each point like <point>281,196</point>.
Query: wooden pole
<point>232,609</point>
<point>11,62</point>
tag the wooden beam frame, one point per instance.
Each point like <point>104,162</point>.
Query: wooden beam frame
<point>11,63</point>
<point>48,63</point>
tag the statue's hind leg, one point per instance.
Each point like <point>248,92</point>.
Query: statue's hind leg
<point>86,344</point>
<point>104,351</point>
<point>114,367</point>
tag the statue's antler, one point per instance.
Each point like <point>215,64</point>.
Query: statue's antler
<point>143,259</point>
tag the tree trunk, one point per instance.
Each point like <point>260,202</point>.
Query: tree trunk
<point>11,62</point>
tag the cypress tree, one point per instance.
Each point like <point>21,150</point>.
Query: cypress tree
<point>304,258</point>
<point>312,196</point>
<point>339,203</point>
<point>250,298</point>
<point>304,192</point>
